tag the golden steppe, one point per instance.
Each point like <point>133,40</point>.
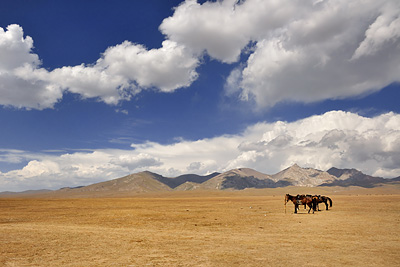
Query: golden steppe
<point>229,228</point>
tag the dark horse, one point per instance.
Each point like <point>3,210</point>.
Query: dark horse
<point>301,200</point>
<point>323,199</point>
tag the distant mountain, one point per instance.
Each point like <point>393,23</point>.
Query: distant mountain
<point>338,172</point>
<point>177,181</point>
<point>26,193</point>
<point>143,182</point>
<point>297,176</point>
<point>242,178</point>
<point>397,179</point>
<point>188,186</point>
<point>343,174</point>
<point>139,182</point>
<point>353,177</point>
<point>236,179</point>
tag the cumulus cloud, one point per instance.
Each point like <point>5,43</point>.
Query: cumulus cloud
<point>324,55</point>
<point>304,51</point>
<point>385,29</point>
<point>16,56</point>
<point>136,161</point>
<point>15,50</point>
<point>336,138</point>
<point>170,67</point>
<point>224,28</point>
<point>121,72</point>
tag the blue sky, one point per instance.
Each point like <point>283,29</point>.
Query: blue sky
<point>94,90</point>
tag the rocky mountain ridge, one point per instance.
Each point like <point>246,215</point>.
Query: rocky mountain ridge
<point>353,177</point>
<point>297,176</point>
<point>236,179</point>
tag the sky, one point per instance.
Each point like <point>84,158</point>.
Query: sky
<point>95,90</point>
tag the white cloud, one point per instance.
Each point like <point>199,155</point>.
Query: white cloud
<point>16,57</point>
<point>12,155</point>
<point>336,138</point>
<point>92,82</point>
<point>209,27</point>
<point>224,28</point>
<point>15,50</point>
<point>122,71</point>
<point>311,59</point>
<point>305,51</point>
<point>167,68</point>
<point>136,161</point>
<point>385,29</point>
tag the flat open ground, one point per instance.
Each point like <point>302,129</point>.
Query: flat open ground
<point>199,229</point>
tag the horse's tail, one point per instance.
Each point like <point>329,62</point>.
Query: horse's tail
<point>330,201</point>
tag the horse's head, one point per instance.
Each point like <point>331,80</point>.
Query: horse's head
<point>287,198</point>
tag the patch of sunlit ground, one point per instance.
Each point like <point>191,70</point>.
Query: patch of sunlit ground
<point>224,229</point>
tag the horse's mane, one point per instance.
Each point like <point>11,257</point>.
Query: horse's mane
<point>289,196</point>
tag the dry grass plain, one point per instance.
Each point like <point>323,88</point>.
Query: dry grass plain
<point>244,228</point>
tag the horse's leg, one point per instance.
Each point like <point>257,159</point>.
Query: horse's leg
<point>326,204</point>
<point>314,205</point>
<point>311,206</point>
<point>295,208</point>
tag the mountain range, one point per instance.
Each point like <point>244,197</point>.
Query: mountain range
<point>236,179</point>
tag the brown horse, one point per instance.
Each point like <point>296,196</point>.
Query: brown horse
<point>323,199</point>
<point>301,200</point>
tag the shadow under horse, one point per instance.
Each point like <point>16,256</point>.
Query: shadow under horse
<point>302,200</point>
